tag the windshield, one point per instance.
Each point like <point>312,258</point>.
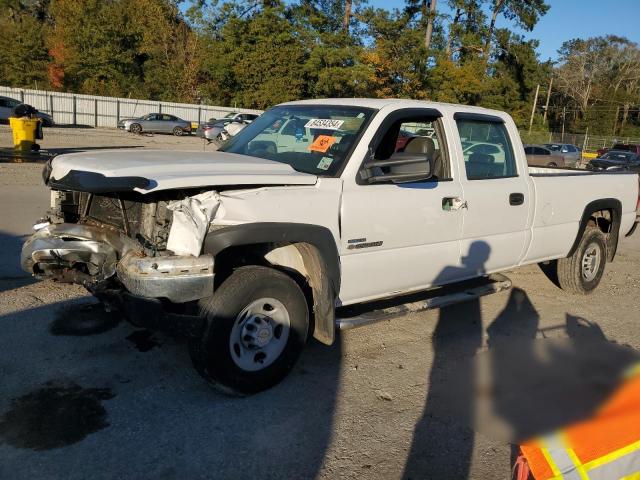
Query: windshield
<point>230,115</point>
<point>313,139</point>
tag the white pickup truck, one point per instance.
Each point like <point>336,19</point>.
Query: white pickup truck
<point>312,212</point>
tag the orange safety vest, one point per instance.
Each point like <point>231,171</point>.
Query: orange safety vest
<point>605,447</point>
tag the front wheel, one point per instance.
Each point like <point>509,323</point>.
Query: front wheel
<point>257,324</point>
<point>135,128</point>
<point>581,272</point>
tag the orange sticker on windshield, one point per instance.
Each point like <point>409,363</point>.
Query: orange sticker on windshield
<point>322,143</point>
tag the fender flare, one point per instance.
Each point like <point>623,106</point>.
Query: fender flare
<point>615,206</point>
<point>323,256</point>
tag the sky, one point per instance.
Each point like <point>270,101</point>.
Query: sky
<point>567,19</point>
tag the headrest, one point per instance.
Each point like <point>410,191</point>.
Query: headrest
<point>481,158</point>
<point>421,145</point>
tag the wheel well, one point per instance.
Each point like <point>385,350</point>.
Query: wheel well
<point>604,215</point>
<point>302,262</point>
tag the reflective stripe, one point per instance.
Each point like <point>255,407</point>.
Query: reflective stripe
<point>609,457</point>
<point>562,464</point>
<point>624,466</point>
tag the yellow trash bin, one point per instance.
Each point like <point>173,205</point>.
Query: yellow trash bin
<point>24,132</point>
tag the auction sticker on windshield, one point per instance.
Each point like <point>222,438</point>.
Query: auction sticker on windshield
<point>322,143</point>
<point>324,123</point>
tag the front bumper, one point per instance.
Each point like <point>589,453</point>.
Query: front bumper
<point>89,255</point>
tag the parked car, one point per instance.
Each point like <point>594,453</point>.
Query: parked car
<point>212,129</point>
<point>245,117</point>
<point>8,105</point>
<point>542,157</point>
<point>629,147</point>
<point>311,209</point>
<point>616,160</point>
<point>495,150</point>
<point>571,154</point>
<point>156,123</point>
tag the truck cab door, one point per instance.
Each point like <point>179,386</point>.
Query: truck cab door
<point>497,194</point>
<point>401,237</point>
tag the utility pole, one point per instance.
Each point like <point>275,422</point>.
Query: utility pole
<point>546,105</point>
<point>564,113</point>
<point>615,120</point>
<point>535,104</point>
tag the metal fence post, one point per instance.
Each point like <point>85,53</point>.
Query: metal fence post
<point>51,105</point>
<point>199,115</point>
<point>159,108</point>
<point>75,110</point>
<point>21,96</point>
<point>117,112</point>
<point>95,112</point>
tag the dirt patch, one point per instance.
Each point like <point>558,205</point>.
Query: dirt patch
<point>54,416</point>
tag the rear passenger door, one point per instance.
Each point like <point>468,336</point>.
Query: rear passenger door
<point>496,193</point>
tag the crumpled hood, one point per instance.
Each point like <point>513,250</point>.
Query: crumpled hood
<point>151,170</point>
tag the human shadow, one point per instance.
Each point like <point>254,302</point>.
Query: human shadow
<point>527,381</point>
<point>443,439</point>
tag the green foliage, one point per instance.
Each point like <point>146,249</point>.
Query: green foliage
<point>23,54</point>
<point>251,53</point>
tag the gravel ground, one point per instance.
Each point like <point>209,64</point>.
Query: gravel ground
<point>64,140</point>
<point>440,394</point>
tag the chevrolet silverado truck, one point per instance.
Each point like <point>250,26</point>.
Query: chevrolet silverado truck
<point>313,217</point>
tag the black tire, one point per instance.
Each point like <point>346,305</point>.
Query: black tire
<point>579,274</point>
<point>135,128</point>
<point>552,164</point>
<point>177,131</point>
<point>212,354</point>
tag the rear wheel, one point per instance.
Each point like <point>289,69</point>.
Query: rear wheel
<point>581,272</point>
<point>177,131</point>
<point>256,326</point>
<point>135,128</point>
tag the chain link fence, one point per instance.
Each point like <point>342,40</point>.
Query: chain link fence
<point>585,141</point>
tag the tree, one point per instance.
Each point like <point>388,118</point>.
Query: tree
<point>23,53</point>
<point>524,12</point>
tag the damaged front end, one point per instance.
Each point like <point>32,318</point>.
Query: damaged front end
<point>119,244</point>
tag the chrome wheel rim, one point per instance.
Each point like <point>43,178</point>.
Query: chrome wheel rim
<point>259,334</point>
<point>591,261</point>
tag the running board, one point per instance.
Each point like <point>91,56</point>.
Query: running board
<point>356,316</point>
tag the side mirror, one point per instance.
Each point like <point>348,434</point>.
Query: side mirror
<point>404,168</point>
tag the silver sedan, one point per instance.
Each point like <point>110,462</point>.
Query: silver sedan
<point>156,123</point>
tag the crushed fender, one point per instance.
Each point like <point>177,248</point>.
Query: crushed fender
<point>191,218</point>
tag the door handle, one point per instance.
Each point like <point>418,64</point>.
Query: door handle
<point>516,199</point>
<point>452,204</point>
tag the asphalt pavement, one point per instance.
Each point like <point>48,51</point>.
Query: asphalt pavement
<point>439,394</point>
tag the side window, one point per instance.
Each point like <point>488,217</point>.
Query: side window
<point>415,136</point>
<point>487,149</point>
<point>529,150</point>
